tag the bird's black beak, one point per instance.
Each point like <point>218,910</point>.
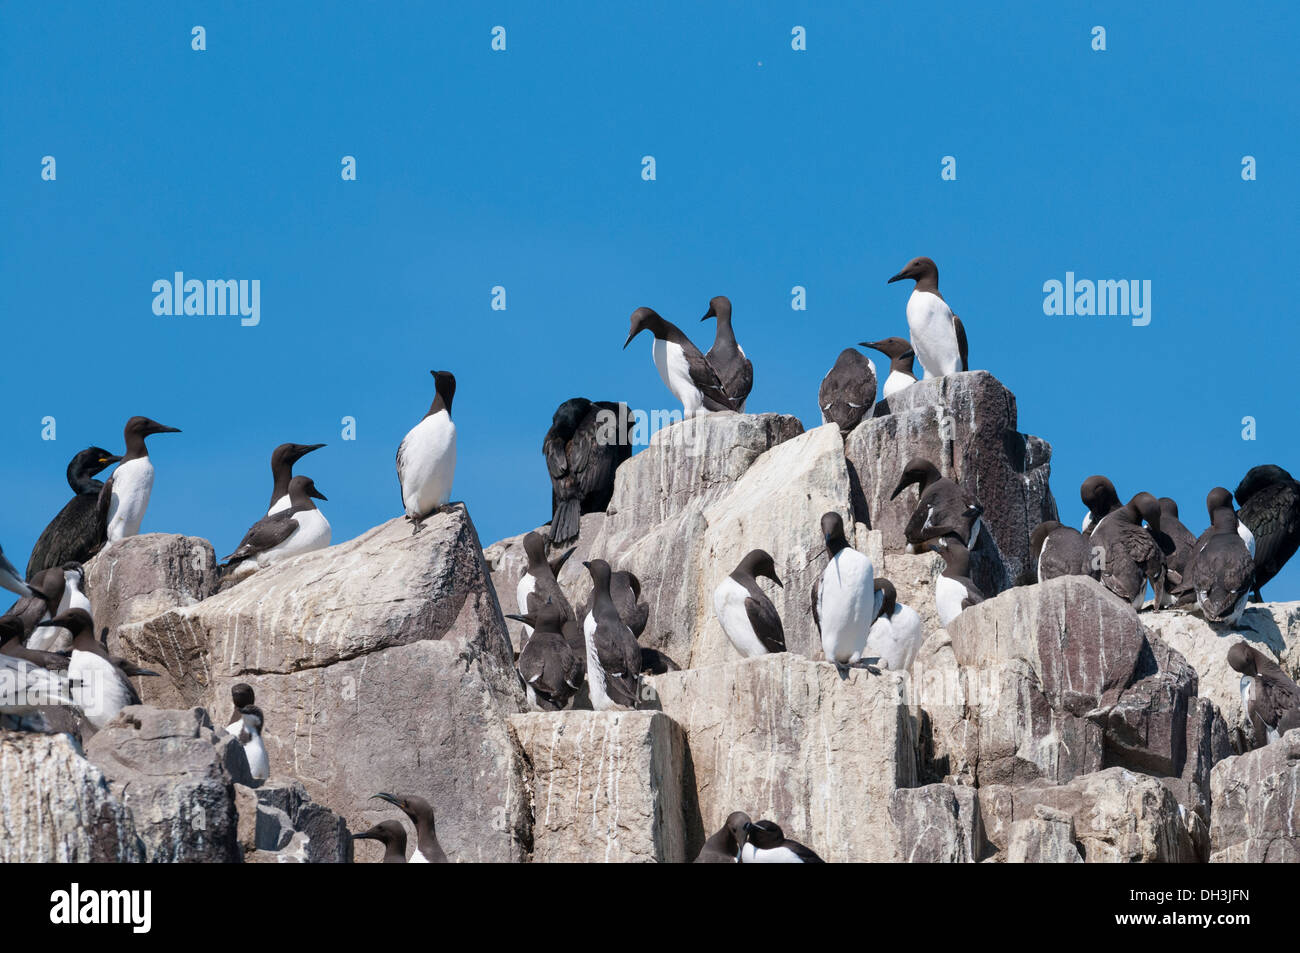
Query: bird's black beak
<point>898,277</point>
<point>629,339</point>
<point>137,670</point>
<point>161,429</point>
<point>903,484</point>
<point>520,618</point>
<point>709,315</point>
<point>772,576</point>
<point>870,344</point>
<point>365,835</point>
<point>384,796</point>
<point>317,494</point>
<point>586,565</point>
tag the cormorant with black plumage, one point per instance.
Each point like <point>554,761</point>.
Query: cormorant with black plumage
<point>75,534</point>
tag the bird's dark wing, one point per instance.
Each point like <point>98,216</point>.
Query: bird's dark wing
<point>939,515</point>
<point>101,511</point>
<point>740,386</point>
<point>962,348</point>
<point>1278,695</point>
<point>557,458</point>
<point>973,596</point>
<point>706,378</point>
<point>766,622</point>
<point>803,853</point>
<point>593,452</point>
<point>816,591</point>
<point>266,533</point>
<point>1273,515</point>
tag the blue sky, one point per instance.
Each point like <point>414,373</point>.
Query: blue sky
<point>775,168</point>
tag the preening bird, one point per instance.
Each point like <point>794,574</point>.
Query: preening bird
<point>584,448</point>
<point>727,357</point>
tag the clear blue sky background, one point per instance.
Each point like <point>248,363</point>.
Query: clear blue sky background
<point>775,168</point>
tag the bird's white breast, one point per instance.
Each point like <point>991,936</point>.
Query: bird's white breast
<point>527,584</point>
<point>934,339</point>
<point>846,605</point>
<point>749,854</point>
<point>313,533</point>
<point>675,370</point>
<point>729,607</point>
<point>895,640</point>
<point>98,688</point>
<point>949,594</point>
<point>1247,537</point>
<point>132,484</point>
<point>897,381</point>
<point>428,464</point>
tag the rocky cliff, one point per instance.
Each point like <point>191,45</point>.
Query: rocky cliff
<point>1050,723</point>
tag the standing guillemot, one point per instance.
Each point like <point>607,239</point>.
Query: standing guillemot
<point>584,447</point>
<point>1098,494</point>
<point>539,581</point>
<point>248,730</point>
<point>1223,573</point>
<point>954,590</point>
<point>766,843</point>
<point>301,528</point>
<point>625,590</point>
<point>938,337</point>
<point>684,370</point>
<point>48,638</point>
<point>724,846</point>
<point>896,635</point>
<point>1060,551</point>
<point>900,354</point>
<point>727,357</point>
<point>843,598</point>
<point>1177,544</point>
<point>1269,501</point>
<point>392,835</point>
<point>943,508</point>
<point>548,665</point>
<point>74,534</point>
<point>613,654</point>
<point>427,848</point>
<point>283,458</point>
<point>1129,555</point>
<point>9,578</point>
<point>747,616</point>
<point>101,683</point>
<point>426,458</point>
<point>1270,700</point>
<point>125,495</point>
<point>848,391</point>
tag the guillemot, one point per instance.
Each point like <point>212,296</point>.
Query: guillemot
<point>896,635</point>
<point>848,391</point>
<point>685,371</point>
<point>101,683</point>
<point>727,358</point>
<point>48,638</point>
<point>843,597</point>
<point>1178,545</point>
<point>585,445</point>
<point>74,534</point>
<point>125,496</point>
<point>1130,556</point>
<point>301,528</point>
<point>248,730</point>
<point>420,811</point>
<point>283,458</point>
<point>766,843</point>
<point>1098,494</point>
<point>724,846</point>
<point>548,665</point>
<point>900,354</point>
<point>613,654</point>
<point>11,644</point>
<point>746,614</point>
<point>942,509</point>
<point>938,337</point>
<point>1269,501</point>
<point>954,590</point>
<point>426,458</point>
<point>1270,699</point>
<point>1060,551</point>
<point>1223,572</point>
<point>539,581</point>
<point>392,835</point>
